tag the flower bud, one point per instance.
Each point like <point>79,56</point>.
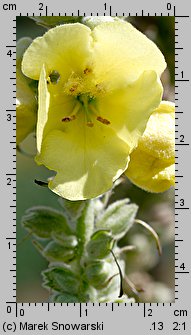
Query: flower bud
<point>151,164</point>
<point>110,291</point>
<point>61,279</point>
<point>26,104</point>
<point>99,272</point>
<point>43,221</point>
<point>68,241</point>
<point>100,244</point>
<point>55,252</point>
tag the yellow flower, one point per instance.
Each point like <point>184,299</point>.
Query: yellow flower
<point>151,164</point>
<point>97,89</point>
<point>26,104</point>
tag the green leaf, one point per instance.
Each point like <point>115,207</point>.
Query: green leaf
<point>55,252</point>
<point>118,217</point>
<point>100,244</point>
<point>43,221</point>
<point>62,280</point>
<point>52,21</point>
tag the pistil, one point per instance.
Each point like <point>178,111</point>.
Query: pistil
<point>84,101</point>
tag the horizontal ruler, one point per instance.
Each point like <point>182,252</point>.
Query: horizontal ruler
<point>108,318</point>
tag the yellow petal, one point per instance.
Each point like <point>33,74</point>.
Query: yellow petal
<point>64,49</point>
<point>151,164</point>
<point>43,106</point>
<point>159,136</point>
<point>117,52</point>
<point>122,53</point>
<point>128,109</point>
<point>87,160</point>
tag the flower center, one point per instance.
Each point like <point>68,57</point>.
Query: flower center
<point>85,91</point>
<point>88,105</point>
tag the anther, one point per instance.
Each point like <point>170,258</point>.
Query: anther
<point>73,88</point>
<point>102,120</point>
<point>69,118</point>
<point>90,124</point>
<point>72,117</point>
<point>87,70</point>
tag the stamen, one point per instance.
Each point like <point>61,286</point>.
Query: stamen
<point>72,117</point>
<point>99,118</point>
<point>102,120</point>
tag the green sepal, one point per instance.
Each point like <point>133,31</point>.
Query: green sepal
<point>100,244</point>
<point>67,241</point>
<point>118,217</point>
<point>73,209</point>
<point>43,221</point>
<point>55,252</point>
<point>61,279</point>
<point>98,273</point>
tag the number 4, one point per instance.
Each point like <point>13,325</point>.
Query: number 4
<point>9,53</point>
<point>182,266</point>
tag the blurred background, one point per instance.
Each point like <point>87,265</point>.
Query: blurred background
<point>152,274</point>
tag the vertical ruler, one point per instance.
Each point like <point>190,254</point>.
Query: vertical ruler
<point>182,152</point>
<point>105,318</point>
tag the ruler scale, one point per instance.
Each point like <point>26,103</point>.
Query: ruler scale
<point>106,318</point>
